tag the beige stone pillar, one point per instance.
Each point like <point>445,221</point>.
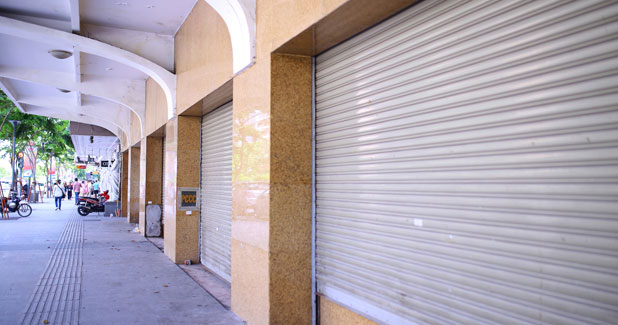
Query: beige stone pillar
<point>271,216</point>
<point>151,165</point>
<point>290,190</point>
<point>134,176</point>
<point>124,196</point>
<point>182,169</point>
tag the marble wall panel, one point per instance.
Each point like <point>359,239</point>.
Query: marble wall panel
<point>290,189</point>
<point>251,196</point>
<point>150,176</point>
<point>124,196</point>
<point>203,56</point>
<point>334,314</point>
<point>169,206</point>
<point>134,181</point>
<point>156,107</point>
<point>183,138</point>
<point>188,175</point>
<point>142,186</point>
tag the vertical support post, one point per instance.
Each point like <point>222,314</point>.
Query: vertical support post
<point>134,176</point>
<point>182,136</point>
<point>150,177</point>
<point>124,190</point>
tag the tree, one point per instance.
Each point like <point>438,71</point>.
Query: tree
<point>32,133</point>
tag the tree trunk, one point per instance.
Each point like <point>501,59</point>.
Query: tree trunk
<point>32,159</point>
<point>47,177</point>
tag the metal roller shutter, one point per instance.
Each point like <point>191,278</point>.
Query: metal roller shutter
<point>467,164</point>
<point>216,191</point>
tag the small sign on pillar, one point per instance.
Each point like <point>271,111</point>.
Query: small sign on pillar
<point>188,198</point>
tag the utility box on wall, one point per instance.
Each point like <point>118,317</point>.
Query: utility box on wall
<point>153,220</point>
<point>110,208</point>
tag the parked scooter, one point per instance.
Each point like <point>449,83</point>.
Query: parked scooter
<point>13,204</point>
<point>92,204</point>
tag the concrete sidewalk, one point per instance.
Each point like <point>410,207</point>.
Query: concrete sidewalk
<point>59,267</point>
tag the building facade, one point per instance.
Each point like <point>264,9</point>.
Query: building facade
<point>389,161</point>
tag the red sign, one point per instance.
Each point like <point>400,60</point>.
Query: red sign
<point>81,166</point>
<point>52,168</point>
<point>28,164</point>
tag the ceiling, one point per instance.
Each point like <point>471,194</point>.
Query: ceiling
<point>115,46</point>
<point>92,141</point>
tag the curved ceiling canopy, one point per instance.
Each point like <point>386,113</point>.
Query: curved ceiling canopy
<point>88,60</point>
<point>72,42</point>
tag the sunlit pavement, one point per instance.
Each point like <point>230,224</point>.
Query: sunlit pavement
<point>59,267</point>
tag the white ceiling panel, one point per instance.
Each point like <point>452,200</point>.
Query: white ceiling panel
<point>155,16</point>
<point>99,146</point>
<point>98,66</point>
<point>109,28</point>
<point>157,48</point>
<point>59,24</point>
<point>23,89</point>
<point>50,9</point>
<point>18,52</point>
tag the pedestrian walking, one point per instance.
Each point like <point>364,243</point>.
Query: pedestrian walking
<point>95,188</point>
<point>58,195</point>
<point>77,186</point>
<point>69,190</point>
<point>65,187</point>
<point>84,190</point>
<point>26,191</point>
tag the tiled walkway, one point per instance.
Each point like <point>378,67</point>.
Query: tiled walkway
<point>56,297</point>
<point>60,268</point>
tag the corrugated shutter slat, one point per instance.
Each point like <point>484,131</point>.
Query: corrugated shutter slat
<point>467,164</point>
<point>216,191</point>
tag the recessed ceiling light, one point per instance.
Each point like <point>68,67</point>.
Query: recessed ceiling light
<point>60,54</point>
<point>63,90</point>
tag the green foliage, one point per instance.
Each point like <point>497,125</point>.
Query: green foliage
<point>50,136</point>
<point>54,133</point>
<point>4,174</point>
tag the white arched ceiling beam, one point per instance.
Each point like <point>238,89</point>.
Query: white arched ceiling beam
<point>78,117</point>
<point>10,93</point>
<point>75,28</point>
<point>67,41</point>
<point>239,16</point>
<point>101,112</point>
<point>126,92</point>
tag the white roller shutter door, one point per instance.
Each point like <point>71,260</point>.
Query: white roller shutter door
<point>216,191</point>
<point>467,165</point>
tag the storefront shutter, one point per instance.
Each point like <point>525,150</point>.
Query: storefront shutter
<point>467,165</point>
<point>216,191</point>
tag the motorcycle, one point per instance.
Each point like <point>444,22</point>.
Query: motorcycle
<point>92,204</point>
<point>13,204</point>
